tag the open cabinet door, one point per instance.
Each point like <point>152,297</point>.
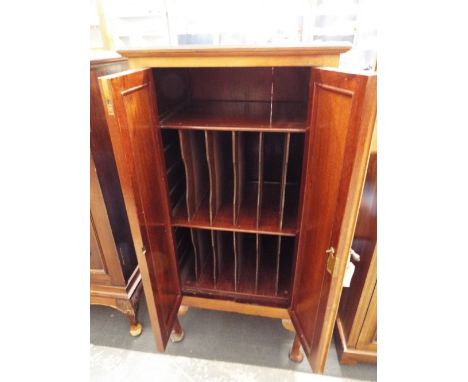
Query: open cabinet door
<point>341,115</point>
<point>131,111</point>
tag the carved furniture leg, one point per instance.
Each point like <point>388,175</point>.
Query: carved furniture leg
<point>135,327</point>
<point>295,354</point>
<point>177,334</point>
<point>130,308</point>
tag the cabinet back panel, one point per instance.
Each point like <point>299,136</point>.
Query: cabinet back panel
<point>261,97</point>
<point>231,84</point>
<point>296,154</point>
<point>291,84</point>
<point>273,157</point>
<point>172,88</point>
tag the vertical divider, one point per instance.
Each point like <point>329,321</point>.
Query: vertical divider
<point>196,250</point>
<point>235,238</point>
<point>258,250</point>
<point>186,154</point>
<point>284,173</point>
<point>209,149</point>
<point>260,178</point>
<point>235,198</point>
<point>259,208</point>
<point>239,173</point>
<point>214,197</point>
<point>278,255</point>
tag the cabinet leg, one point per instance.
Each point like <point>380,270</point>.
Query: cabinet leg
<point>295,354</point>
<point>129,308</point>
<point>135,327</point>
<point>177,334</point>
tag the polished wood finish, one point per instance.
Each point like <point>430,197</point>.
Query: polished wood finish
<point>357,316</point>
<point>115,280</point>
<point>132,117</point>
<point>204,56</point>
<point>295,354</point>
<point>177,334</point>
<point>350,356</point>
<point>254,116</point>
<point>249,206</point>
<point>235,307</point>
<point>341,121</point>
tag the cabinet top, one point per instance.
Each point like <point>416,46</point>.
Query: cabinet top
<point>211,56</point>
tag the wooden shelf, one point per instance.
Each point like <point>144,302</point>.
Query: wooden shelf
<point>247,221</point>
<point>239,116</point>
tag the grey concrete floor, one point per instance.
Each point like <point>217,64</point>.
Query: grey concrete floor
<point>221,336</point>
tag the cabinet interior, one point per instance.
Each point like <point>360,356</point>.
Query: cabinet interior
<point>233,145</point>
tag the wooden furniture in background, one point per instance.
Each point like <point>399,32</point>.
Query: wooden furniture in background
<point>356,324</point>
<point>114,275</point>
<point>242,171</point>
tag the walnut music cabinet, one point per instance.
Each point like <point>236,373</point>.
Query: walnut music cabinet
<point>242,171</point>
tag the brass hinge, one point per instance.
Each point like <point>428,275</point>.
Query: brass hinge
<point>331,260</point>
<point>107,97</point>
<point>110,107</point>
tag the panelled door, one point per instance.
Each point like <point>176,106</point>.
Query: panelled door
<point>104,264</point>
<point>341,114</point>
<point>132,115</point>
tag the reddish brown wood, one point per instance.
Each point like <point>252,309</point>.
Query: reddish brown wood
<point>267,265</point>
<point>338,101</point>
<point>177,334</point>
<point>286,259</point>
<point>175,172</point>
<point>258,255</point>
<point>196,254</point>
<point>239,173</point>
<point>114,277</point>
<point>287,140</point>
<point>249,99</point>
<point>221,159</point>
<point>247,216</point>
<point>260,179</point>
<point>238,257</point>
<point>239,115</point>
<point>192,144</point>
<point>278,263</point>
<point>264,111</point>
<point>133,123</point>
<point>295,354</point>
<point>364,242</point>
